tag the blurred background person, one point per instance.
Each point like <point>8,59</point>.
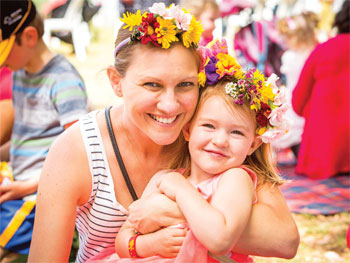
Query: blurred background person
<point>322,98</point>
<point>298,32</point>
<point>206,11</point>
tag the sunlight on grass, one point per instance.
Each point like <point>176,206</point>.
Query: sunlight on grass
<point>322,240</point>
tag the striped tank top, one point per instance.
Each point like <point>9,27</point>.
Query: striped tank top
<point>98,220</point>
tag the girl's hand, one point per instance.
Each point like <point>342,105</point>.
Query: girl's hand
<point>152,212</point>
<point>172,182</point>
<point>166,242</point>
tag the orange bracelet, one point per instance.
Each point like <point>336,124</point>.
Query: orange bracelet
<point>132,246</point>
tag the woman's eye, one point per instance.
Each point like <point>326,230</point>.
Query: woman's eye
<point>237,132</point>
<point>186,84</point>
<point>207,125</point>
<point>151,84</point>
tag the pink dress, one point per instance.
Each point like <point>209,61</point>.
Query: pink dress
<point>191,250</point>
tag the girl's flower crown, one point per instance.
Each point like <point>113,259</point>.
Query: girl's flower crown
<point>265,98</point>
<point>162,26</point>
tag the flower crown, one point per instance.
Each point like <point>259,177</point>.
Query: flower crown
<point>163,26</point>
<point>265,98</point>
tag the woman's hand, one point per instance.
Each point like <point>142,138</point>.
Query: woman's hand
<point>154,211</point>
<point>168,242</point>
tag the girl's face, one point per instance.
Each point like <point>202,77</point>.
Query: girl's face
<point>219,139</point>
<point>160,92</point>
<point>207,19</point>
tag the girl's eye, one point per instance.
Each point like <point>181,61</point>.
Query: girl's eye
<point>207,125</point>
<point>237,132</point>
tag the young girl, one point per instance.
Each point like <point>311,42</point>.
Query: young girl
<point>206,11</point>
<point>238,114</point>
<point>299,33</point>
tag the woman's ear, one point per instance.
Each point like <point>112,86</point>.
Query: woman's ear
<point>255,145</point>
<point>186,131</point>
<point>115,79</point>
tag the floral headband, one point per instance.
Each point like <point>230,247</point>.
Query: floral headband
<point>162,26</point>
<point>265,98</point>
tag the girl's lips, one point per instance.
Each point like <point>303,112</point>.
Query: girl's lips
<point>216,153</point>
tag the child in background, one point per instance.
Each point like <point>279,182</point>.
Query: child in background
<point>299,33</point>
<point>48,96</point>
<point>238,114</point>
<point>206,11</point>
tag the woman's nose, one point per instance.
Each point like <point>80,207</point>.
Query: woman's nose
<point>168,102</point>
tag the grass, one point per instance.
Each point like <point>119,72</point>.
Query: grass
<point>322,239</point>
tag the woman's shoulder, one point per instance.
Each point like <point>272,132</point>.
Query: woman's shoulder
<point>67,161</point>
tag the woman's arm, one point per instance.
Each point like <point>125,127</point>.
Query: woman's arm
<point>64,184</point>
<point>168,240</point>
<point>154,210</point>
<point>165,242</point>
<point>217,225</point>
<point>271,230</point>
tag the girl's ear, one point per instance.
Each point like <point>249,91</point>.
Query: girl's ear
<point>255,145</point>
<point>115,79</point>
<point>186,131</point>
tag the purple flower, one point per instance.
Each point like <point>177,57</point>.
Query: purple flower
<point>210,71</point>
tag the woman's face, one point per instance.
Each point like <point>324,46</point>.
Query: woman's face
<point>160,92</point>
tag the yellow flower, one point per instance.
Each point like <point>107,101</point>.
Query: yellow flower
<point>202,78</point>
<point>166,32</point>
<point>131,19</point>
<point>260,131</point>
<point>265,91</point>
<point>193,34</point>
<point>227,65</point>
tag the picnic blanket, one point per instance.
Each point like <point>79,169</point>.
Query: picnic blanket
<point>309,196</point>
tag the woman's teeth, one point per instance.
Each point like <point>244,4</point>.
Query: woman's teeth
<point>163,120</point>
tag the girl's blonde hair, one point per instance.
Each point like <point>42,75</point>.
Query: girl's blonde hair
<point>301,28</point>
<point>260,161</point>
<point>197,7</point>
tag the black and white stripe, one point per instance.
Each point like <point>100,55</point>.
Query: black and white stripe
<point>99,220</point>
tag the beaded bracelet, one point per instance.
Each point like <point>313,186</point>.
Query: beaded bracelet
<point>132,246</point>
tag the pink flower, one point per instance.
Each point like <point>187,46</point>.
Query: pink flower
<point>182,19</point>
<point>272,80</point>
<point>272,134</point>
<point>159,9</point>
<point>277,115</point>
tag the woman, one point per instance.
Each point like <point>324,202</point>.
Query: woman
<point>84,184</point>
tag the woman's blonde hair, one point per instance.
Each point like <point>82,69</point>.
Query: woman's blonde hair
<point>260,161</point>
<point>124,56</point>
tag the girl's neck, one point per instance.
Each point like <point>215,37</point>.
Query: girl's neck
<point>197,176</point>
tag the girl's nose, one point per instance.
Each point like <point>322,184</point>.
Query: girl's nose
<point>168,102</point>
<point>220,138</point>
